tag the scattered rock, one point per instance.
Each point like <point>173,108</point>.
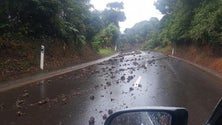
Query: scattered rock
<point>18,103</point>
<point>111,93</point>
<point>112,77</point>
<point>42,102</point>
<point>2,106</point>
<point>64,99</point>
<point>103,69</point>
<point>96,86</point>
<point>92,97</point>
<point>19,113</point>
<point>110,111</point>
<point>112,99</point>
<point>25,94</point>
<point>131,89</point>
<point>108,83</point>
<point>104,116</point>
<point>135,63</point>
<point>91,120</point>
<point>129,78</point>
<point>123,78</point>
<point>143,66</point>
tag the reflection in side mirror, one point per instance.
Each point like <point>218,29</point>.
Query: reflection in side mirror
<point>143,118</point>
<point>149,116</point>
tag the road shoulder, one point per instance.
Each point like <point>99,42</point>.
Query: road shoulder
<point>7,85</point>
<point>219,75</point>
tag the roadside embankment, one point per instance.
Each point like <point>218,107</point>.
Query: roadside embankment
<point>21,58</point>
<point>203,56</point>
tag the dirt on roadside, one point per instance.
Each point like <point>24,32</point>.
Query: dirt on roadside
<point>203,56</point>
<point>22,58</point>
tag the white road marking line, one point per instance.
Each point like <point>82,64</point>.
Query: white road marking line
<point>136,84</point>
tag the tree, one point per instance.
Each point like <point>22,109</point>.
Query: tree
<point>118,6</point>
<point>113,14</point>
<point>107,37</point>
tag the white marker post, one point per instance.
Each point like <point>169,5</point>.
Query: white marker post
<point>172,51</point>
<point>115,47</point>
<point>42,57</point>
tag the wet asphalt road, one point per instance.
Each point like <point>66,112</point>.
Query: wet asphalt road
<point>131,79</point>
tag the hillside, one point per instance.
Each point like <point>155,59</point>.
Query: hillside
<point>22,58</point>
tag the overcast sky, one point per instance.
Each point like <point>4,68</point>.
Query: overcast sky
<point>135,10</point>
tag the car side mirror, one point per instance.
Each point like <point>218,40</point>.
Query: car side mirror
<point>149,116</point>
<point>216,117</point>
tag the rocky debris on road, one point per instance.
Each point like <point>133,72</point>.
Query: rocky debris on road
<point>131,89</point>
<point>105,116</point>
<point>122,78</point>
<point>108,83</point>
<point>91,120</point>
<point>19,102</point>
<point>63,98</point>
<point>143,66</point>
<point>129,78</point>
<point>96,86</point>
<point>26,94</point>
<point>135,63</point>
<point>110,111</point>
<point>44,101</point>
<point>20,113</point>
<point>2,106</point>
<point>92,97</point>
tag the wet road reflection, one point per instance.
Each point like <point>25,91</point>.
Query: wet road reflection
<point>91,94</point>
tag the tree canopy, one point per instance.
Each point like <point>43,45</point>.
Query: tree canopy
<point>186,22</point>
<point>71,20</point>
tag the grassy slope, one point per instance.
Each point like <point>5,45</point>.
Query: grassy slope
<point>21,58</point>
<point>106,52</point>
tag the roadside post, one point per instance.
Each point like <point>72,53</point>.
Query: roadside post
<point>42,57</point>
<point>172,52</point>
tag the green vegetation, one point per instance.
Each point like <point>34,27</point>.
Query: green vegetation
<point>75,22</point>
<point>71,31</point>
<point>188,22</point>
<point>184,22</point>
<point>106,52</point>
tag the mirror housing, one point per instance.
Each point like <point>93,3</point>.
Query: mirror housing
<point>216,117</point>
<point>179,116</point>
